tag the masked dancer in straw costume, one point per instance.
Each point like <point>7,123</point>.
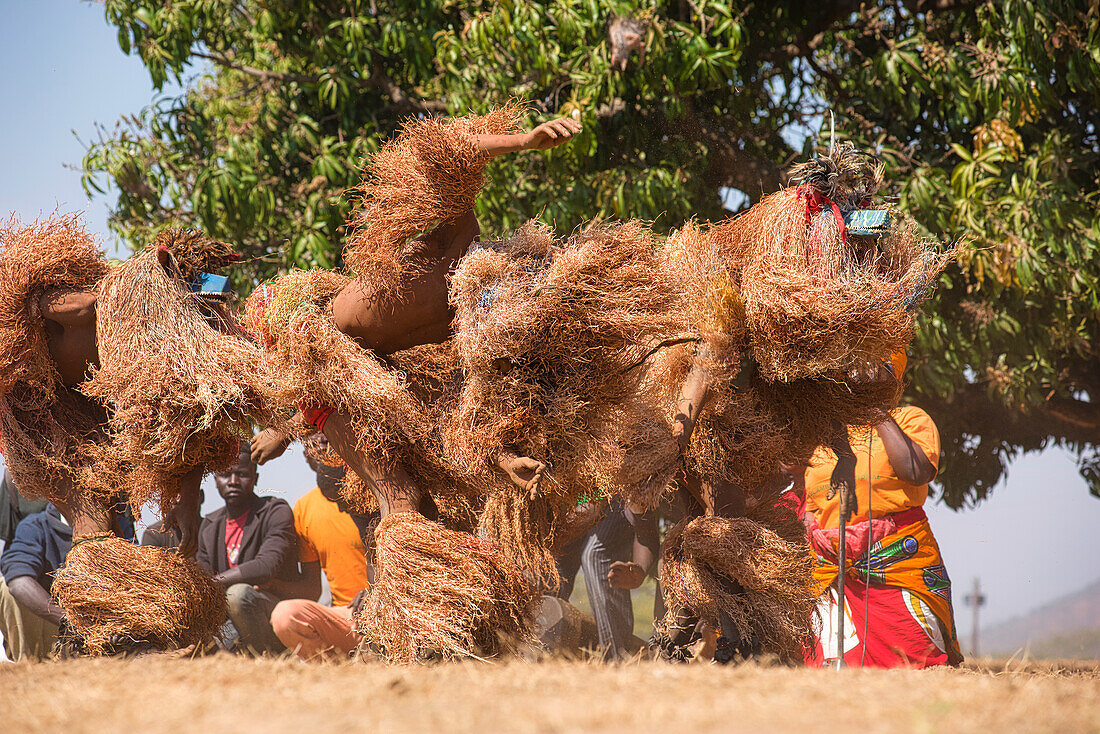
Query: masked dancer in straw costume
<point>368,362</point>
<point>553,336</point>
<point>121,377</point>
<point>798,303</point>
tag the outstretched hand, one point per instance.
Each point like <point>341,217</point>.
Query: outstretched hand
<point>185,518</point>
<point>843,478</point>
<point>526,473</point>
<point>268,444</point>
<point>625,575</point>
<point>552,134</point>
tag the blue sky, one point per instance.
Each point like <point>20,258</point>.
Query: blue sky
<point>63,72</point>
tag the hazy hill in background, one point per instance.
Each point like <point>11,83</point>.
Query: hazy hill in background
<point>1066,628</point>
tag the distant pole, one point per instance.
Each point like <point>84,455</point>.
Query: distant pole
<point>974,600</point>
<point>842,565</point>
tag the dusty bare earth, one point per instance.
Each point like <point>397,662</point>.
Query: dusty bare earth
<point>225,693</point>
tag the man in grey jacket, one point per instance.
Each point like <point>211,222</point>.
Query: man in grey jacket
<point>252,549</point>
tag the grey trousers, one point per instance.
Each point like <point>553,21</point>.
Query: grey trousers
<point>612,539</point>
<point>250,612</point>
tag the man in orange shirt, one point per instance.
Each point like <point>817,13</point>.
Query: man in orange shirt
<point>897,592</point>
<point>330,539</point>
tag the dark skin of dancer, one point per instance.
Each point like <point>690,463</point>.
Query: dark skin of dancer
<point>70,318</point>
<point>421,315</point>
<point>713,498</point>
<point>723,499</point>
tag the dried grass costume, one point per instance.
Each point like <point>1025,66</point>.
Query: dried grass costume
<point>183,380</point>
<point>113,590</point>
<point>765,553</point>
<point>171,392</point>
<point>429,175</point>
<point>796,316</point>
<point>438,592</point>
<point>49,433</point>
<point>553,336</point>
<point>395,402</point>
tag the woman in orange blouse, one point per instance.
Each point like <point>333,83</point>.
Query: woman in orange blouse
<point>897,592</point>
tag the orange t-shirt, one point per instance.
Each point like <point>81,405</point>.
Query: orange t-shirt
<point>330,536</point>
<point>886,493</point>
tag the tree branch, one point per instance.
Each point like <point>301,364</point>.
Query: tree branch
<point>1074,412</point>
<point>923,6</point>
<point>727,163</point>
<point>261,74</point>
<point>811,36</point>
<point>730,165</point>
<point>378,79</point>
<point>981,435</point>
<point>400,98</point>
<point>1062,419</point>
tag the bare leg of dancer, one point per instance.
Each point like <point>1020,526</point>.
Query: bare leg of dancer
<point>392,486</point>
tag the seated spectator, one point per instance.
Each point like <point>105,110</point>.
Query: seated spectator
<point>28,617</point>
<point>330,539</point>
<point>616,555</point>
<point>895,571</point>
<point>251,548</point>
<point>14,507</point>
<point>169,539</point>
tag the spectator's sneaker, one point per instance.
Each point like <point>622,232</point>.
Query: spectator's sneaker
<point>228,638</point>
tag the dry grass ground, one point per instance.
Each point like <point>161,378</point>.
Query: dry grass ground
<point>224,693</point>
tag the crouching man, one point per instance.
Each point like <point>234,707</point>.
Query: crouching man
<point>28,618</point>
<point>251,548</point>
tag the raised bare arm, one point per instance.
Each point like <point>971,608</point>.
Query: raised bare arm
<point>547,135</point>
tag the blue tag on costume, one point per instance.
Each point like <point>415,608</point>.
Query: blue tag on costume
<point>208,284</point>
<point>867,221</point>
